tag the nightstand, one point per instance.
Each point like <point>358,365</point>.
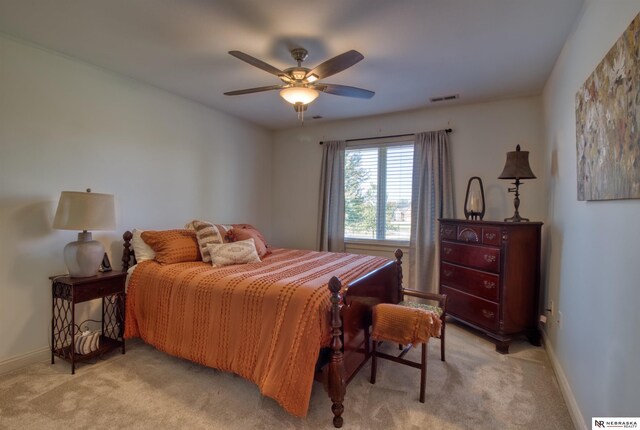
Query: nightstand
<point>66,293</point>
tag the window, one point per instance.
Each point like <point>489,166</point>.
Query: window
<point>378,191</point>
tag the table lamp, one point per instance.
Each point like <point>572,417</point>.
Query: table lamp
<point>517,167</point>
<point>84,211</point>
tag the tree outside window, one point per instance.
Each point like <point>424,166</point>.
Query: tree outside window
<point>378,192</point>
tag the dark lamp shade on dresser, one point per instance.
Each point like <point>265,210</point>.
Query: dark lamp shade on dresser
<point>517,166</point>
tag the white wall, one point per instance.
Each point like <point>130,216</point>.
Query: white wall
<point>66,125</point>
<point>482,135</point>
<point>593,273</point>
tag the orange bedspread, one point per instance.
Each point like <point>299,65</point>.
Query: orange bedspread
<point>264,321</point>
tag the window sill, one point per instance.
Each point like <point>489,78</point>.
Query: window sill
<point>377,243</point>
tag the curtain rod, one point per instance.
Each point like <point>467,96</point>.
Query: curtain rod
<point>448,130</point>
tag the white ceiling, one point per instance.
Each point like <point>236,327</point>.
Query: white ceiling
<point>413,49</point>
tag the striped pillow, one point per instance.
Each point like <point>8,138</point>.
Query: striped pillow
<point>240,252</point>
<point>172,246</point>
<point>208,233</point>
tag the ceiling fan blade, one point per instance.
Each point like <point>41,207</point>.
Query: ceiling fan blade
<point>257,63</point>
<point>344,90</point>
<point>253,90</point>
<point>336,64</point>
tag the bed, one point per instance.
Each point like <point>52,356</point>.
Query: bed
<point>295,317</point>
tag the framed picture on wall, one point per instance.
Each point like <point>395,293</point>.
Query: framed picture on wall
<point>608,123</point>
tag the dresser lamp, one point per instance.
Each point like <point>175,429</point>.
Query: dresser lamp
<point>84,211</point>
<point>517,167</point>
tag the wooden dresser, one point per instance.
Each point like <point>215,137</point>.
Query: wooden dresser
<point>490,272</point>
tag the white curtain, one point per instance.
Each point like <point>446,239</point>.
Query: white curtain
<point>331,204</point>
<point>432,198</point>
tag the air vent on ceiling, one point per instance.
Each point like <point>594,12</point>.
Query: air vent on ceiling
<point>444,98</point>
<point>317,117</point>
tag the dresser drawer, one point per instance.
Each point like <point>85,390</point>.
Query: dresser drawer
<point>478,257</point>
<point>472,309</point>
<point>491,236</point>
<point>83,293</point>
<point>448,231</point>
<point>474,282</point>
<point>469,233</point>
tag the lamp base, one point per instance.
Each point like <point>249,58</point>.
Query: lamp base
<point>516,218</point>
<point>516,203</point>
<point>83,257</point>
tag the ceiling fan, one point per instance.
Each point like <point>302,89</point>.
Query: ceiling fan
<point>300,85</point>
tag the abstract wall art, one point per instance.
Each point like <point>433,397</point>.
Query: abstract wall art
<point>608,123</point>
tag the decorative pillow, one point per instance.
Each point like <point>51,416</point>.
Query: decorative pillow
<point>250,227</point>
<point>208,233</point>
<point>173,246</point>
<point>240,252</point>
<point>140,248</point>
<point>237,234</point>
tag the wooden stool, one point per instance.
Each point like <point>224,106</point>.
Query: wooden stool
<point>439,309</point>
<point>406,326</point>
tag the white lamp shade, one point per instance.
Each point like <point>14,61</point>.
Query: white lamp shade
<point>85,211</point>
<point>302,95</point>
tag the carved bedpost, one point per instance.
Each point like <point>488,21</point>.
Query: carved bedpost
<point>126,252</point>
<point>399,255</point>
<point>336,380</point>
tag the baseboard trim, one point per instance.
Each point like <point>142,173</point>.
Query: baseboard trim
<point>13,363</point>
<point>574,411</point>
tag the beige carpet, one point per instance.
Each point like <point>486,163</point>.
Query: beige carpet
<point>476,388</point>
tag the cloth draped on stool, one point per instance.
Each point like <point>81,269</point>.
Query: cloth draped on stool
<point>404,325</point>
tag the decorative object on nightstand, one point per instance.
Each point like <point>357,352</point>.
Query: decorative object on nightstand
<point>84,211</point>
<point>517,167</point>
<point>474,206</point>
<point>66,338</point>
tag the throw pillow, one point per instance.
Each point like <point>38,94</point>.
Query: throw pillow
<point>141,250</point>
<point>208,233</point>
<point>250,227</point>
<point>173,246</point>
<point>240,252</point>
<point>239,234</point>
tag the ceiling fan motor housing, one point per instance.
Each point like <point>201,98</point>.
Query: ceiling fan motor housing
<point>299,54</point>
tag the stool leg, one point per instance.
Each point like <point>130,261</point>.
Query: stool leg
<point>442,340</point>
<point>423,371</point>
<point>374,362</point>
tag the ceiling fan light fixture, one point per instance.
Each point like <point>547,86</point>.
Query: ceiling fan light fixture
<point>299,95</point>
<point>312,78</point>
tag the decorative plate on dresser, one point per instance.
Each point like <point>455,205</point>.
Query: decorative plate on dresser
<point>490,272</point>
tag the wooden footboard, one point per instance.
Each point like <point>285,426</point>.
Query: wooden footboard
<point>350,323</point>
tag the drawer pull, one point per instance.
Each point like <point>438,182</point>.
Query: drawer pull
<point>490,236</point>
<point>489,284</point>
<point>489,258</point>
<point>447,273</point>
<point>447,250</point>
<point>488,314</point>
